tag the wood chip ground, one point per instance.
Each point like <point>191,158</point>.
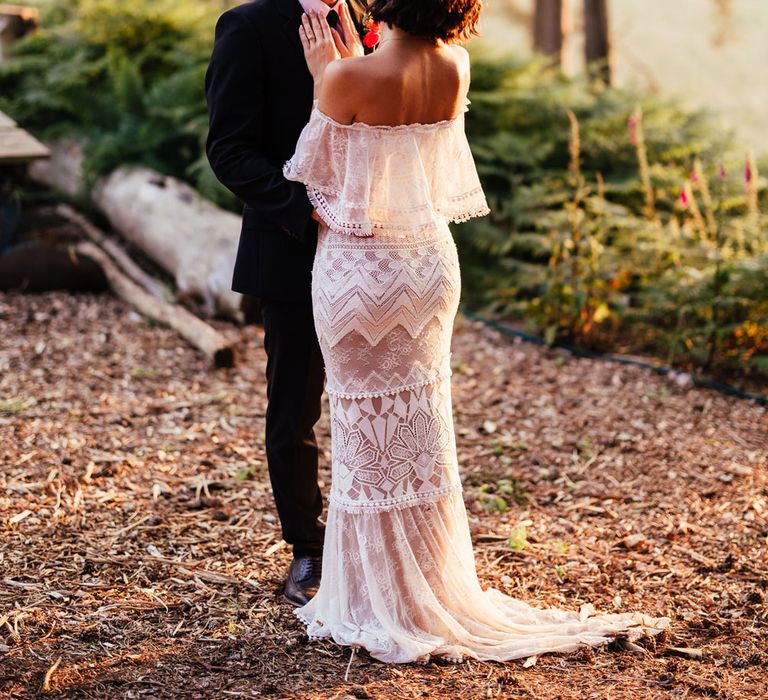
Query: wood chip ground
<point>140,555</point>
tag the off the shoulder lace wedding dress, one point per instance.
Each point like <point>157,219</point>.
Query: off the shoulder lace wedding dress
<point>399,575</point>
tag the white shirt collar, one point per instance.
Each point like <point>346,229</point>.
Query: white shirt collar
<point>320,7</point>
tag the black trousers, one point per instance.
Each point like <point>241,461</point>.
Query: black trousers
<point>295,379</point>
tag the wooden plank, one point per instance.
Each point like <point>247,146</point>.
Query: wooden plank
<point>6,122</point>
<point>17,146</point>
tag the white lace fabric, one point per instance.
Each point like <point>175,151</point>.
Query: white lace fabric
<point>403,585</point>
<point>399,575</point>
<point>363,179</point>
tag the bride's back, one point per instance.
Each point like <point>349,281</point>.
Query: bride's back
<point>404,82</point>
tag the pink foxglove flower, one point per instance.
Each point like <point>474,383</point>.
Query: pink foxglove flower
<point>632,123</point>
<point>721,168</point>
<point>682,200</point>
<point>694,177</point>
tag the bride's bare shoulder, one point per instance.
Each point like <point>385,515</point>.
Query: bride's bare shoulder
<point>460,52</point>
<point>461,56</point>
<point>344,85</point>
<point>371,84</point>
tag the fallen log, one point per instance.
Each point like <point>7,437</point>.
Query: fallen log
<point>36,267</point>
<point>117,253</point>
<point>189,237</point>
<point>186,235</point>
<point>194,330</point>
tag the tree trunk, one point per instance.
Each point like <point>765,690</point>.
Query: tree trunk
<point>63,170</point>
<point>597,44</point>
<point>548,29</point>
<point>195,331</point>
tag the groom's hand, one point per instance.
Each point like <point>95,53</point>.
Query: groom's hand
<point>348,43</point>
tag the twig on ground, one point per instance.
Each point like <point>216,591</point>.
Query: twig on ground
<point>193,329</point>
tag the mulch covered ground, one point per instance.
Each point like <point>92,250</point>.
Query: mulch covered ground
<point>140,554</point>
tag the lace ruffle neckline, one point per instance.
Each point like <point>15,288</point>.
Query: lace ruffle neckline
<point>401,180</point>
<point>413,126</point>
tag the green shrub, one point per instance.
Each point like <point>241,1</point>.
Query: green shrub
<point>126,77</point>
<point>589,242</point>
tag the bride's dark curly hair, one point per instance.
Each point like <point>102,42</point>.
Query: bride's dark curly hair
<point>450,20</point>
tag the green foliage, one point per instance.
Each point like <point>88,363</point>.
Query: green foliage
<point>518,540</point>
<point>588,241</point>
<point>499,496</point>
<point>14,405</point>
<point>143,373</point>
<point>127,78</point>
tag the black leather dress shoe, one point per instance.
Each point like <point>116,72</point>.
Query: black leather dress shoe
<point>303,579</point>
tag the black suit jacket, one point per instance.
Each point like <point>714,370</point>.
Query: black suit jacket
<point>259,94</point>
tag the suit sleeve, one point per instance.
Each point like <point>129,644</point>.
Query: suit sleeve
<point>234,90</point>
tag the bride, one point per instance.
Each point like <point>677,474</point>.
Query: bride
<point>387,166</point>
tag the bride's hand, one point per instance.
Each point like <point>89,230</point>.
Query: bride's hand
<point>319,45</point>
<point>348,42</point>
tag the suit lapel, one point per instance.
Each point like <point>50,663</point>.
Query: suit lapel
<point>291,11</point>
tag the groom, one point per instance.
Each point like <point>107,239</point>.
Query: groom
<point>259,94</point>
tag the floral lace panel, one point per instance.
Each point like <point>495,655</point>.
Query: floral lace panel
<point>393,450</point>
